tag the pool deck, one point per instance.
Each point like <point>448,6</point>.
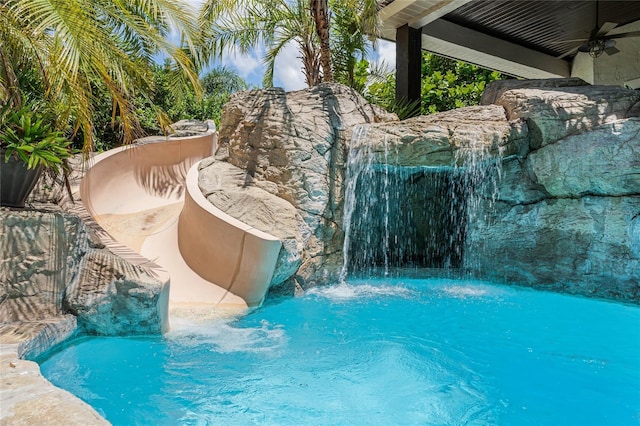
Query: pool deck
<point>27,398</point>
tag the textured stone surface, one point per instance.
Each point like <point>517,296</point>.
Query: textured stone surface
<point>516,186</point>
<point>113,297</point>
<point>586,246</point>
<point>40,254</point>
<point>552,114</point>
<point>293,145</point>
<point>29,399</point>
<point>33,338</point>
<point>494,91</point>
<point>437,139</point>
<point>603,161</point>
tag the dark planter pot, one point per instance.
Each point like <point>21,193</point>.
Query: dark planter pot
<point>16,181</point>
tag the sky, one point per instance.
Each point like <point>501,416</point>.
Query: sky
<point>287,72</point>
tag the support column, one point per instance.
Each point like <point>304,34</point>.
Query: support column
<point>408,64</point>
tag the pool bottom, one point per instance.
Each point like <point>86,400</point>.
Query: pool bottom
<point>397,351</point>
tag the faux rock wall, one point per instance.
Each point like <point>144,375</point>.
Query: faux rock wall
<point>51,267</point>
<point>280,168</point>
<point>40,255</point>
<point>567,212</point>
<point>562,210</point>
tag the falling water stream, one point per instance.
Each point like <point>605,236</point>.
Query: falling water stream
<point>412,217</point>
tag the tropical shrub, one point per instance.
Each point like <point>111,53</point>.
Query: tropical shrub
<point>26,136</point>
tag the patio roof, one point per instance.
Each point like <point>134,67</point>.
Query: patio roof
<point>530,39</point>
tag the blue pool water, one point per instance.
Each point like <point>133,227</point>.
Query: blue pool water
<point>379,352</point>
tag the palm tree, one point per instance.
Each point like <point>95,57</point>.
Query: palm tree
<point>245,24</point>
<point>76,46</point>
<point>222,80</point>
<point>354,29</point>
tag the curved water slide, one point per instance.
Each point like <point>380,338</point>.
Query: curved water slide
<point>146,196</point>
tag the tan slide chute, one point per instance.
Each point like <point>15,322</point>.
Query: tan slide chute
<point>146,196</point>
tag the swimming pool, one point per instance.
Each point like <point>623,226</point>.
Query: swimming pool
<point>380,352</point>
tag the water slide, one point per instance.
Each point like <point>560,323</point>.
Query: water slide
<point>146,196</point>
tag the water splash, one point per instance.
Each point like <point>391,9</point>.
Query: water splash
<point>222,335</point>
<point>360,290</point>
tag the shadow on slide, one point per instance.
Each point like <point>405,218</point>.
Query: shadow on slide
<point>146,196</point>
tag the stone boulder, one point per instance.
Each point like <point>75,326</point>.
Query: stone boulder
<point>443,139</point>
<point>112,297</point>
<point>561,108</point>
<point>293,145</point>
<point>603,161</point>
<point>494,90</point>
<point>587,245</point>
<point>52,266</point>
<point>230,189</point>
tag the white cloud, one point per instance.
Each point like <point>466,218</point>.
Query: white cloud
<point>385,52</point>
<point>288,69</point>
<point>248,66</point>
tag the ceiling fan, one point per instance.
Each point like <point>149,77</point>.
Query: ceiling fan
<point>599,41</point>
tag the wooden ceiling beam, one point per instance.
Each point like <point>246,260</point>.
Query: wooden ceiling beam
<point>452,40</point>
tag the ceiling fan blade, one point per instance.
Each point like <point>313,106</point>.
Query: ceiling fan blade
<point>624,35</point>
<point>605,28</point>
<point>611,51</point>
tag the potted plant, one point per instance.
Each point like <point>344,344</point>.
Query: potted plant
<point>28,146</point>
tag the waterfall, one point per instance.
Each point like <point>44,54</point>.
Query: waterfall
<point>477,175</point>
<point>358,160</point>
<point>411,217</point>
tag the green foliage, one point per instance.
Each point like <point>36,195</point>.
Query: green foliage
<point>26,135</point>
<point>348,44</point>
<point>218,84</point>
<point>449,84</point>
<point>246,24</point>
<point>79,56</point>
<point>446,84</point>
<point>382,91</point>
<point>222,80</point>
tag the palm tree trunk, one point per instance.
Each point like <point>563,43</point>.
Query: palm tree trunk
<point>310,62</point>
<point>320,13</point>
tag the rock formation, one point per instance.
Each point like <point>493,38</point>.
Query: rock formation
<point>280,165</point>
<point>562,209</point>
<point>567,212</point>
<point>555,201</point>
<point>52,267</point>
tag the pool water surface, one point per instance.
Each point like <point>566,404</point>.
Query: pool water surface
<point>378,352</point>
